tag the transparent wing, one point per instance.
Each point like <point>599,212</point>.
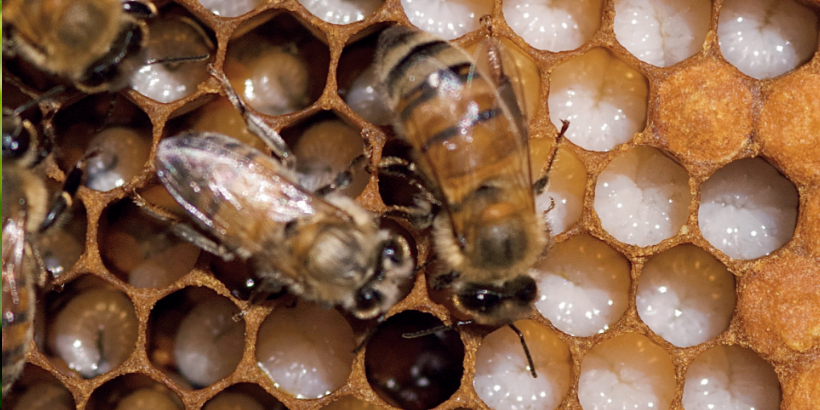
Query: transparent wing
<point>15,281</point>
<point>232,190</point>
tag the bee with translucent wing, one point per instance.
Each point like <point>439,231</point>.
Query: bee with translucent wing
<point>324,248</point>
<point>470,149</point>
<point>27,212</point>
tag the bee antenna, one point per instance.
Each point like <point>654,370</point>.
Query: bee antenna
<point>526,350</point>
<point>173,60</point>
<point>436,329</point>
<point>34,101</point>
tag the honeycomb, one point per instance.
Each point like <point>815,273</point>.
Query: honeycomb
<point>702,111</point>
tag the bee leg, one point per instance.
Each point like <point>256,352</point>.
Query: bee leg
<point>343,179</point>
<point>541,183</point>
<point>201,241</point>
<point>401,168</point>
<point>183,230</point>
<point>65,198</point>
<point>255,124</point>
<point>418,217</point>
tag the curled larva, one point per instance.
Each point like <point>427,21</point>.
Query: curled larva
<point>209,342</point>
<point>274,81</point>
<point>149,398</point>
<point>95,332</point>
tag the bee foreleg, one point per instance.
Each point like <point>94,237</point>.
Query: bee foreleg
<point>255,124</point>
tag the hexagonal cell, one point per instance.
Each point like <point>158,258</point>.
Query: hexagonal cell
<point>140,249</point>
<point>91,328</point>
<point>196,337</point>
<point>447,19</point>
<point>686,296</point>
<point>642,197</point>
<point>584,286</point>
<point>231,8</point>
<point>766,38</point>
<point>662,32</point>
<point>115,132</point>
<point>341,11</point>
<point>38,389</point>
<point>326,146</point>
<point>177,54</point>
<point>628,371</point>
<point>503,379</point>
<point>357,83</point>
<point>603,98</point>
<point>244,396</point>
<point>279,67</point>
<point>306,351</point>
<point>747,209</point>
<point>731,377</point>
<point>61,246</point>
<point>554,26</point>
<point>427,372</point>
<point>133,392</point>
<point>565,192</point>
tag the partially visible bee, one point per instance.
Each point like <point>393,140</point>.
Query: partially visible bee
<point>92,43</point>
<point>324,248</point>
<point>469,137</point>
<point>26,214</point>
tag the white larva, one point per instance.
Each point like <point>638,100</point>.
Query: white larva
<point>95,332</point>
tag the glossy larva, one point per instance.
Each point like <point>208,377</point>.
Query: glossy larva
<point>95,332</point>
<point>209,342</point>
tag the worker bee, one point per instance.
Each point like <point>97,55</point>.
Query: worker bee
<point>92,43</point>
<point>26,214</point>
<point>324,249</point>
<point>318,243</point>
<point>468,134</point>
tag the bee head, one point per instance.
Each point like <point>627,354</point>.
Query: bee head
<point>391,269</point>
<point>360,269</point>
<point>498,304</point>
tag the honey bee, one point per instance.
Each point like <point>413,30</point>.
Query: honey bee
<point>27,212</point>
<point>324,249</point>
<point>92,43</point>
<point>318,243</point>
<point>469,142</point>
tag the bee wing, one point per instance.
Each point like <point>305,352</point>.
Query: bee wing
<point>494,58</point>
<point>469,134</point>
<point>234,191</point>
<point>14,278</point>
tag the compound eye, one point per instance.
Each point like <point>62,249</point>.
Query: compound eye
<point>16,139</point>
<point>367,299</point>
<point>527,290</point>
<point>481,300</point>
<point>393,251</point>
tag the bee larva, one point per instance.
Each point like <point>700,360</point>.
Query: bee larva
<point>95,332</point>
<point>469,137</point>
